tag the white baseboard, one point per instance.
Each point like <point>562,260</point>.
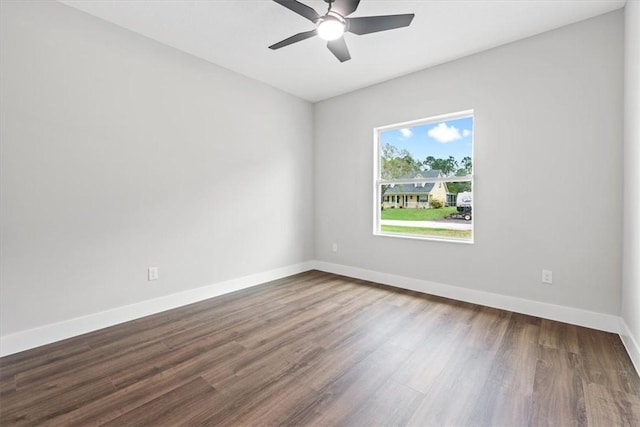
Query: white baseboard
<point>36,337</point>
<point>630,343</point>
<point>47,334</point>
<point>575,316</point>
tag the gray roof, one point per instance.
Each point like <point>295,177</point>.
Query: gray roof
<point>414,188</point>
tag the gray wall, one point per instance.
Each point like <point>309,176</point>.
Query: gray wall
<point>119,153</point>
<point>631,271</point>
<point>548,164</point>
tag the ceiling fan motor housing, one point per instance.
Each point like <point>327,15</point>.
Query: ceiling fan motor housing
<point>331,26</point>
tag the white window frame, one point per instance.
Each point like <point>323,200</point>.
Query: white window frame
<point>379,182</point>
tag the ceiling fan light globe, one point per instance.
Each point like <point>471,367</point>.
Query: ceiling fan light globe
<point>330,29</point>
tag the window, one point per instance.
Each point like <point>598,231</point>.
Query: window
<point>431,159</point>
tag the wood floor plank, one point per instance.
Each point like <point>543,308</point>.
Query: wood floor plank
<point>560,336</point>
<point>246,373</point>
<point>423,327</point>
<point>257,389</point>
<point>103,410</point>
<point>347,394</point>
<point>56,375</point>
<point>69,378</point>
<point>606,407</point>
<point>297,323</point>
<point>207,347</point>
<point>430,359</point>
<point>558,390</point>
<point>511,376</point>
<point>52,405</point>
<point>392,404</point>
<point>612,369</point>
<point>273,406</point>
<point>321,349</point>
<point>189,400</point>
<point>41,356</point>
<point>347,350</point>
<point>474,348</point>
<point>450,399</point>
<point>237,324</point>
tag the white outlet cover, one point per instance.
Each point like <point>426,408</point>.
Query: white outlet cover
<point>547,276</point>
<point>153,273</point>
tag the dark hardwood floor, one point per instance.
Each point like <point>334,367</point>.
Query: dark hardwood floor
<point>321,349</point>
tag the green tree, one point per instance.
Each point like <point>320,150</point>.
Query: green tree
<point>459,187</point>
<point>395,163</point>
<point>446,166</point>
<point>466,165</point>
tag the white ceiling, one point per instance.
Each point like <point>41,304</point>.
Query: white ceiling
<point>235,34</point>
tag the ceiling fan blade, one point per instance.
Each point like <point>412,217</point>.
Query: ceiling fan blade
<point>300,9</point>
<point>294,39</point>
<point>373,24</point>
<point>345,7</point>
<point>339,48</point>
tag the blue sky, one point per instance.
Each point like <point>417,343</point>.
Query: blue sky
<point>437,139</point>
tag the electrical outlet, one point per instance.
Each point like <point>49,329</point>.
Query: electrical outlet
<point>153,273</point>
<point>547,276</point>
<point>334,247</point>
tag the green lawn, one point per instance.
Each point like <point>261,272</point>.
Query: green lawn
<point>437,232</point>
<point>417,214</point>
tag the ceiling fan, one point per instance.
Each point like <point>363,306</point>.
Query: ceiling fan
<point>332,25</point>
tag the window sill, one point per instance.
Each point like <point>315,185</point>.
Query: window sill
<point>431,239</point>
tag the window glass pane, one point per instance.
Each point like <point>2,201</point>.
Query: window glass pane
<point>443,147</point>
<point>428,217</point>
<point>434,150</point>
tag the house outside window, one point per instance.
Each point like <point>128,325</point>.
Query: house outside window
<point>423,182</point>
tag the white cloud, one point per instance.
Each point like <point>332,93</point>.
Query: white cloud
<point>406,132</point>
<point>466,132</point>
<point>443,133</point>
